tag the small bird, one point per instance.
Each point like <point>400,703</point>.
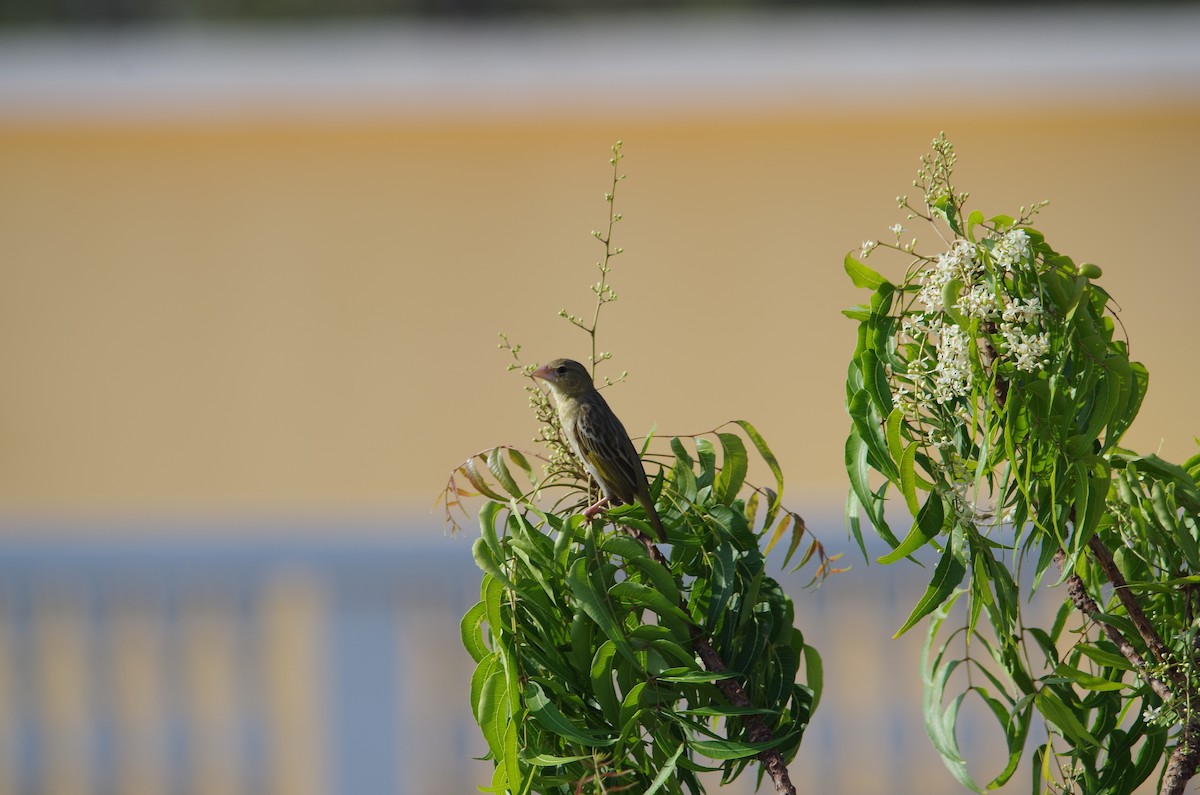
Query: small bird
<point>599,439</point>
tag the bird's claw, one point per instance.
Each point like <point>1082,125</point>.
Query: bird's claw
<point>591,511</point>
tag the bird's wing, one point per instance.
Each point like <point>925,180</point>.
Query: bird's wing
<point>605,445</point>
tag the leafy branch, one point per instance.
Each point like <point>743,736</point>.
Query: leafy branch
<point>989,390</point>
<point>604,663</point>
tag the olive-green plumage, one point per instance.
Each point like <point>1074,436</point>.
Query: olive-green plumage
<point>598,438</point>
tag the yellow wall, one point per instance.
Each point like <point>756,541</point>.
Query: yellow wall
<point>301,316</point>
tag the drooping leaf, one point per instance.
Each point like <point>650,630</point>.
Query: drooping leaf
<point>946,577</point>
<point>929,523</point>
<point>734,466</point>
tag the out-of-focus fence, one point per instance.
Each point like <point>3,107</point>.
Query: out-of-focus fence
<point>305,667</point>
<point>156,666</point>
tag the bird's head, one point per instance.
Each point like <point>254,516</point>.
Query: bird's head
<point>566,377</point>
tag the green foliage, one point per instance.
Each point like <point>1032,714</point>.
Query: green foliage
<point>988,393</point>
<point>603,665</point>
<point>586,674</point>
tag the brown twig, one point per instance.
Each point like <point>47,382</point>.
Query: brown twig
<point>757,730</point>
<point>1185,757</point>
<point>988,352</point>
<point>1085,604</point>
<point>1149,635</point>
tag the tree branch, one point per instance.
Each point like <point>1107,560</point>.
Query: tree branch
<point>757,730</point>
<point>1185,757</point>
<point>1085,604</point>
<point>1121,589</point>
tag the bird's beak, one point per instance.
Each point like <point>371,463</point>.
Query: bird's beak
<point>543,373</point>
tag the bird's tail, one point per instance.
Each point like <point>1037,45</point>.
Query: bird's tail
<point>652,515</point>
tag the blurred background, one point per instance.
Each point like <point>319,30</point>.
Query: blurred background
<point>254,256</point>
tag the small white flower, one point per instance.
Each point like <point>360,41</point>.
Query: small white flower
<point>896,229</point>
<point>868,246</point>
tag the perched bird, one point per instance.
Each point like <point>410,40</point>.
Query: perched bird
<point>599,439</point>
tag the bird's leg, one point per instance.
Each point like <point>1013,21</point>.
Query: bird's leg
<point>592,510</point>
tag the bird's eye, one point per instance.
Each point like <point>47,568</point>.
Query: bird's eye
<point>561,371</point>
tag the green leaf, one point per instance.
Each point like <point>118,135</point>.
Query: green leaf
<point>478,481</point>
<point>973,220</point>
<point>941,725</point>
<point>666,771</point>
<point>861,275</point>
<point>635,555</point>
<point>685,676</point>
<point>596,606</point>
<point>491,593</point>
<point>875,382</point>
<point>551,719</point>
<point>518,458</point>
<point>1108,659</point>
<point>760,444</point>
<point>1055,711</point>
<point>487,528</point>
<point>492,711</point>
<point>895,441</point>
<point>471,631</point>
<point>1092,509</point>
<point>602,681</point>
<point>1136,380</point>
<point>637,594</point>
<point>908,477</point>
<point>484,560</point>
<point>780,529</point>
<point>551,760</point>
<point>733,468</point>
<point>1016,729</point>
<point>683,479</point>
<point>724,578</point>
<point>946,577</point>
<point>928,524</point>
<point>814,675</point>
<point>859,312</point>
<point>870,428</point>
<point>729,749</point>
<point>706,456</point>
<point>722,710</point>
<point>495,463</point>
<point>1085,680</point>
<point>944,208</point>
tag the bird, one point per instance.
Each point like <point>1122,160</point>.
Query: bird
<point>599,439</point>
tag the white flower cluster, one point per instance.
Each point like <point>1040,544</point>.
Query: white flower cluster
<point>978,301</point>
<point>1027,349</point>
<point>961,262</point>
<point>1019,311</point>
<point>1011,249</point>
<point>1020,322</point>
<point>952,373</point>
